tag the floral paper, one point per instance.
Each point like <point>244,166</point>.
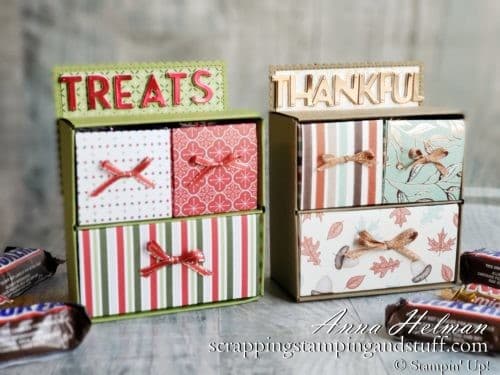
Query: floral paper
<point>405,181</point>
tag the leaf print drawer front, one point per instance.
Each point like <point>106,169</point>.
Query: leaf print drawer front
<point>123,175</point>
<point>362,250</point>
<point>215,169</point>
<point>146,267</point>
<point>340,164</point>
<point>424,160</point>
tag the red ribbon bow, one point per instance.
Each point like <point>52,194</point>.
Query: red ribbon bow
<point>192,259</point>
<point>210,165</point>
<point>117,174</point>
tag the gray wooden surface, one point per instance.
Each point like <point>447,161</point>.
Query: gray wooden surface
<point>457,41</point>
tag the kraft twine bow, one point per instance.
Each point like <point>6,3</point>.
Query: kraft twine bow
<point>432,157</point>
<point>330,160</point>
<point>117,174</point>
<point>398,244</point>
<point>209,165</point>
<point>192,259</point>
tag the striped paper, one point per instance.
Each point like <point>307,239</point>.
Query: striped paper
<point>349,184</point>
<point>110,260</point>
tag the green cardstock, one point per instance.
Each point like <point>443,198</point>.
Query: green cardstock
<point>118,90</point>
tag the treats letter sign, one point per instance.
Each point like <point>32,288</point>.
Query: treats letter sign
<point>338,87</point>
<point>136,89</point>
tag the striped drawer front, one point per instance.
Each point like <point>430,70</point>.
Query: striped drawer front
<point>110,260</point>
<point>341,184</point>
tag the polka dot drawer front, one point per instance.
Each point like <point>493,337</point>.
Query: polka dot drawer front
<point>123,175</point>
<point>214,169</point>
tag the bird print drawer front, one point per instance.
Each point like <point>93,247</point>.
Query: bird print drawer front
<point>215,169</point>
<point>123,175</point>
<point>340,164</point>
<point>424,160</point>
<point>151,266</point>
<point>372,249</point>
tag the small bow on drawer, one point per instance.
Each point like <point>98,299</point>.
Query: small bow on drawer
<point>209,165</point>
<point>432,157</point>
<point>192,259</point>
<point>117,174</point>
<point>329,160</point>
<point>419,269</point>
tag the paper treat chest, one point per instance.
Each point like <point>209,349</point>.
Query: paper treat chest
<point>163,189</point>
<point>374,193</point>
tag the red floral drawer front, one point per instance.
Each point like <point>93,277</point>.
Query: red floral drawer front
<point>215,169</point>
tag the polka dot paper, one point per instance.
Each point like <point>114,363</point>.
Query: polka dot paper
<point>123,175</point>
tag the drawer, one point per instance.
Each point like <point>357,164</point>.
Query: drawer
<point>424,160</point>
<point>110,261</point>
<point>340,164</point>
<point>215,169</point>
<point>123,175</point>
<point>364,250</point>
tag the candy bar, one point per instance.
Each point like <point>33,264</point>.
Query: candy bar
<point>481,266</point>
<point>446,321</point>
<point>41,328</point>
<point>23,268</point>
<point>474,293</point>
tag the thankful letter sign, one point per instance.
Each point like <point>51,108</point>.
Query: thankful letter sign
<point>323,87</point>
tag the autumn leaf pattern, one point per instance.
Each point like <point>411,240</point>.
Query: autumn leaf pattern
<point>441,244</point>
<point>310,248</point>
<point>335,230</point>
<point>446,273</point>
<point>354,282</point>
<point>385,265</point>
<point>306,217</point>
<point>399,215</point>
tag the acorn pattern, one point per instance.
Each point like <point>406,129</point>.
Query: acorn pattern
<point>347,251</point>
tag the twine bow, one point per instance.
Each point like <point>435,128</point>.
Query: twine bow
<point>398,244</point>
<point>117,174</point>
<point>329,160</point>
<point>433,157</point>
<point>209,165</point>
<point>192,259</point>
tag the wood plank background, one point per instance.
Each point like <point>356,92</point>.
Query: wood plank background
<point>458,41</point>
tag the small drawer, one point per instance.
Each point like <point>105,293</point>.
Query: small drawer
<point>123,175</point>
<point>340,164</point>
<point>215,169</point>
<point>365,250</point>
<point>424,160</point>
<point>119,275</point>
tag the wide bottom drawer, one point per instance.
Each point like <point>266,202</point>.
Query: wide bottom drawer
<point>351,251</point>
<point>189,262</point>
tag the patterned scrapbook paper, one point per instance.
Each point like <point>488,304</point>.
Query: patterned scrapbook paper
<point>214,169</point>
<point>127,198</point>
<point>344,184</point>
<point>325,238</point>
<point>110,260</point>
<point>437,176</point>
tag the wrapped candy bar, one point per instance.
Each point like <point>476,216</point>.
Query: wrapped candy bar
<point>474,293</point>
<point>23,268</point>
<point>450,321</point>
<point>41,328</point>
<point>481,266</point>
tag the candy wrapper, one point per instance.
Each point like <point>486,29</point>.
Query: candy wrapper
<point>450,321</point>
<point>481,266</point>
<point>42,328</point>
<point>474,293</point>
<point>22,268</point>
